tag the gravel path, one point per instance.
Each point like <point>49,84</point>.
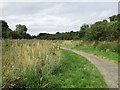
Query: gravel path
<point>108,69</point>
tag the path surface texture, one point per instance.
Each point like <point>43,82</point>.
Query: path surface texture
<point>108,69</point>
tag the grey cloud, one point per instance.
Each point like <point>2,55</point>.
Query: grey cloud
<point>36,13</point>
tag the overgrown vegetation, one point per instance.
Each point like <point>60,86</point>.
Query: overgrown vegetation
<point>41,64</point>
<point>28,63</point>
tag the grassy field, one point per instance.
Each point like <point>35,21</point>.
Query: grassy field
<point>104,49</point>
<point>41,64</point>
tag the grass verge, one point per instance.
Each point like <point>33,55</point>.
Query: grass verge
<point>112,56</point>
<point>104,49</point>
<point>76,72</point>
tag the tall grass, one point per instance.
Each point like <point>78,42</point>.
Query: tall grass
<point>28,63</point>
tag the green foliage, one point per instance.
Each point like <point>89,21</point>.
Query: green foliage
<point>103,31</point>
<point>84,27</point>
<point>114,18</point>
<point>77,72</point>
<point>6,32</point>
<point>59,36</point>
<point>19,33</point>
<point>21,29</point>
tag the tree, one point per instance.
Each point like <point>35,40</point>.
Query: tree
<point>57,32</point>
<point>15,35</point>
<point>98,31</point>
<point>105,21</point>
<point>83,29</point>
<point>26,36</point>
<point>4,24</point>
<point>6,31</point>
<point>113,18</point>
<point>118,17</point>
<point>71,32</point>
<point>21,29</point>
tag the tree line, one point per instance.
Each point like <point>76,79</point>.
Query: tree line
<point>19,33</point>
<point>101,30</point>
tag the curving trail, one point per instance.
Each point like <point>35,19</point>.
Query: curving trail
<point>108,69</point>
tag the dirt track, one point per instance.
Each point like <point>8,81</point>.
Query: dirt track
<point>108,69</point>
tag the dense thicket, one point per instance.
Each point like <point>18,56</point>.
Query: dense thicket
<point>101,30</point>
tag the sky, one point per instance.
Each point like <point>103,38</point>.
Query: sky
<point>52,17</point>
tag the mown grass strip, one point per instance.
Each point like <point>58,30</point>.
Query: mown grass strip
<point>76,72</point>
